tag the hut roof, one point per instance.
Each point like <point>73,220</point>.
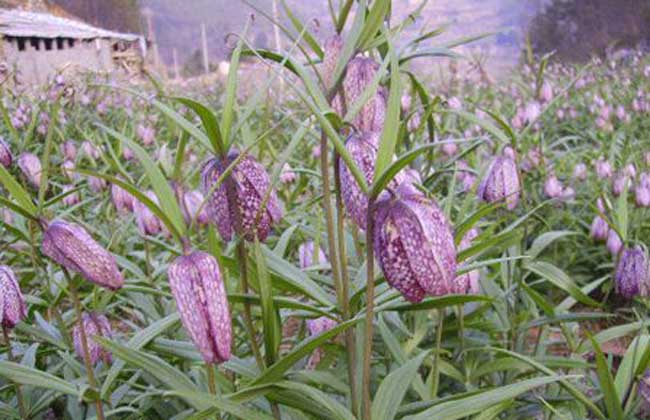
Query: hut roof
<point>19,23</point>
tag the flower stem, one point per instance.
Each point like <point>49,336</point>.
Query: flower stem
<point>248,317</point>
<point>370,306</point>
<point>212,383</point>
<point>461,336</point>
<point>84,343</point>
<point>435,376</point>
<point>10,355</point>
<point>345,292</point>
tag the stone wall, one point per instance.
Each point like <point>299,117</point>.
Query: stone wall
<point>37,65</point>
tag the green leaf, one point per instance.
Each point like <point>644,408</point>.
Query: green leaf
<point>636,352</point>
<point>573,390</point>
<point>393,169</point>
<point>25,375</point>
<point>169,376</point>
<point>544,240</point>
<point>137,342</point>
<point>437,302</point>
<point>275,372</point>
<point>612,400</point>
<point>373,23</point>
<point>231,90</point>
<point>388,140</point>
<point>392,389</point>
<point>206,401</point>
<point>210,123</point>
<point>300,28</point>
<point>560,279</point>
<point>336,409</point>
<point>21,196</point>
<point>272,331</point>
<point>159,183</point>
<point>464,407</point>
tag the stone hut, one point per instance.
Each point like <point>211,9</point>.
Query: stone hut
<point>35,46</point>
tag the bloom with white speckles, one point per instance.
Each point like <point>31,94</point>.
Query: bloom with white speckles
<point>501,182</point>
<point>252,184</point>
<point>71,246</point>
<point>414,244</point>
<point>195,281</point>
<point>12,303</point>
<point>94,325</point>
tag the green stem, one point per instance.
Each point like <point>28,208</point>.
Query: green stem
<point>248,317</point>
<point>329,218</point>
<point>212,383</point>
<point>84,343</point>
<point>435,376</point>
<point>370,306</point>
<point>19,393</point>
<point>461,336</point>
<point>345,289</point>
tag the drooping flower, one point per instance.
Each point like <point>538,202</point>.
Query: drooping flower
<point>468,282</point>
<point>96,184</point>
<point>553,187</point>
<point>71,246</point>
<point>94,325</point>
<point>68,169</point>
<point>501,182</point>
<point>148,222</point>
<point>122,200</point>
<point>632,272</point>
<point>72,198</point>
<point>287,175</point>
<point>12,303</point>
<point>580,172</point>
<point>599,229</point>
<point>414,244</point>
<point>360,73</point>
<point>200,295</point>
<point>603,169</point>
<point>546,92</point>
<point>642,195</point>
<point>30,165</point>
<point>69,150</point>
<point>332,51</point>
<point>614,242</point>
<point>6,158</point>
<point>316,327</point>
<point>620,183</point>
<point>307,257</point>
<point>363,150</point>
<point>191,204</point>
<point>90,150</point>
<point>251,184</point>
<point>644,391</point>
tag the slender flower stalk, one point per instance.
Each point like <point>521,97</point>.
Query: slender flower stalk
<point>370,307</point>
<point>435,375</point>
<point>345,289</point>
<point>84,342</point>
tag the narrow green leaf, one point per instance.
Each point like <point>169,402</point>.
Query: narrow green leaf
<point>392,389</point>
<point>21,196</point>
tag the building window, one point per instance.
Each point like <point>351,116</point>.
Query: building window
<point>59,44</point>
<point>48,44</point>
<point>70,42</point>
<point>21,44</point>
<point>34,42</point>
